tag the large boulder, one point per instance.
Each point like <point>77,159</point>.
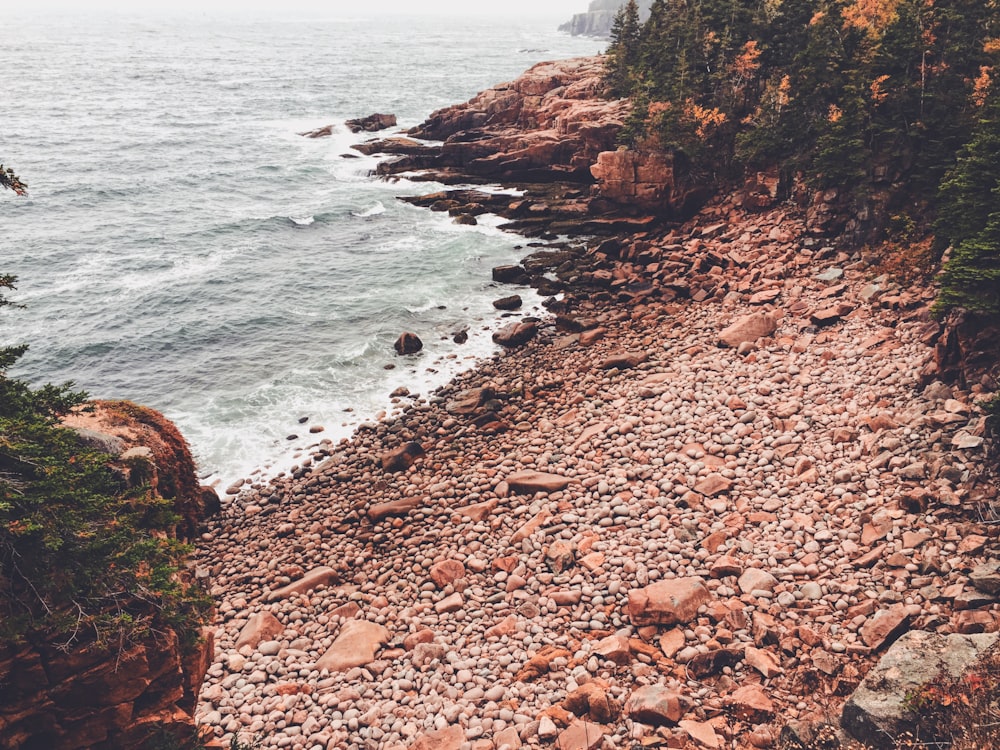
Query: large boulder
<point>653,181</point>
<point>516,334</point>
<point>879,711</point>
<point>747,329</point>
<point>408,343</point>
<point>355,646</point>
<point>671,602</point>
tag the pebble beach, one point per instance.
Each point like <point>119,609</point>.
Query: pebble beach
<point>683,524</point>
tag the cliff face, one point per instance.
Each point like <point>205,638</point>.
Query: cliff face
<point>599,17</point>
<point>99,697</point>
<point>113,696</point>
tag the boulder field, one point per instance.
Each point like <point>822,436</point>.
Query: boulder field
<point>685,514</point>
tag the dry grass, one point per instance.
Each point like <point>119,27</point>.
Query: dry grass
<point>959,713</point>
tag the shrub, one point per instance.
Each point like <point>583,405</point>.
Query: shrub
<point>81,553</point>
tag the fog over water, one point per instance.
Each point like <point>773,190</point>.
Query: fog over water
<point>510,9</point>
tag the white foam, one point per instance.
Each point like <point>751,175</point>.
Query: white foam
<point>373,210</point>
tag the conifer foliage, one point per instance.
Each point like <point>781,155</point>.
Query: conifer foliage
<point>83,555</point>
<point>872,97</point>
<point>969,218</point>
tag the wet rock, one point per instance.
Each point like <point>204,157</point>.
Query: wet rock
<point>371,123</point>
<point>510,275</point>
<point>408,343</point>
<point>323,132</point>
<point>512,302</point>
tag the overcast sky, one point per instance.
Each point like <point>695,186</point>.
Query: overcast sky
<point>541,8</point>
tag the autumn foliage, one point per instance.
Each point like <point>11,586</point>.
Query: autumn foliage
<point>879,99</point>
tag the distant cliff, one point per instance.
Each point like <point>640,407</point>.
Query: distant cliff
<point>598,18</point>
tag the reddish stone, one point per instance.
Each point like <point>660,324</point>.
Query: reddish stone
<point>885,626</point>
<point>751,703</point>
<point>670,602</point>
<point>748,329</point>
<point>402,458</point>
<point>530,482</point>
<point>446,572</point>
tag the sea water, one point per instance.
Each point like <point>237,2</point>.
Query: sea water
<point>184,247</point>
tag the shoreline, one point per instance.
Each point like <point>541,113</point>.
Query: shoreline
<point>453,562</point>
<point>696,507</point>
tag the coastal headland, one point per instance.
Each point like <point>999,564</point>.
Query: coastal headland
<point>694,507</point>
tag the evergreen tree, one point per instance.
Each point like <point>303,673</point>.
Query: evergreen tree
<point>969,218</point>
<point>80,555</point>
<point>623,53</point>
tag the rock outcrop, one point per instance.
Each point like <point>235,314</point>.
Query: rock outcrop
<point>144,447</point>
<point>649,180</point>
<point>967,350</point>
<point>61,696</point>
<point>371,123</point>
<point>553,135</point>
<point>99,697</point>
<point>548,125</point>
<point>880,710</point>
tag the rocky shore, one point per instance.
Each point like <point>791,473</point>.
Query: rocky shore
<point>693,508</point>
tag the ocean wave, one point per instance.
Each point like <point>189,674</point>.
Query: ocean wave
<point>302,221</point>
<point>183,269</point>
<point>373,210</point>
